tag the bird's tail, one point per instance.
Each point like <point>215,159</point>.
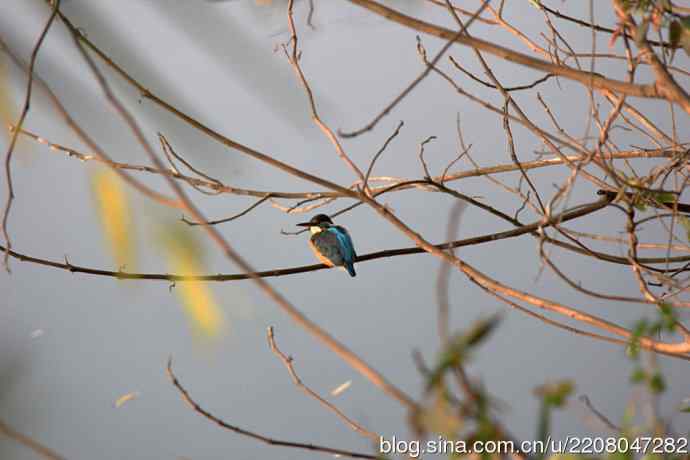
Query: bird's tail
<point>349,266</point>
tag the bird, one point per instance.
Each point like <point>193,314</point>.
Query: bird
<point>331,243</point>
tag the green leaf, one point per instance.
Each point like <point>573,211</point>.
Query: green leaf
<point>665,197</point>
<point>633,349</point>
<point>638,375</point>
<point>675,30</point>
<point>458,347</point>
<point>440,417</point>
<point>657,384</point>
<point>668,317</point>
<point>481,330</point>
<point>685,35</point>
<point>641,327</point>
<point>555,394</point>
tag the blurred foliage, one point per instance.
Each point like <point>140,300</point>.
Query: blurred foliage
<point>185,257</point>
<point>116,217</point>
<point>440,416</point>
<point>458,347</point>
<point>470,419</point>
<point>553,395</point>
<point>445,414</point>
<point>662,16</point>
<point>665,322</point>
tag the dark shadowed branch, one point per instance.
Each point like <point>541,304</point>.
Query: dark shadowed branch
<point>251,434</point>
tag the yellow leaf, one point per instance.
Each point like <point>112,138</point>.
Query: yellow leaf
<point>340,388</point>
<point>114,211</point>
<point>125,398</point>
<point>185,258</point>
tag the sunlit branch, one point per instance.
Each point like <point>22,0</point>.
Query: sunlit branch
<point>313,195</point>
<point>38,448</point>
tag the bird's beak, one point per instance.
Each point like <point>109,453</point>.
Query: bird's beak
<point>304,224</point>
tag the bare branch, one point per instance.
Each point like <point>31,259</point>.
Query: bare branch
<point>451,39</point>
<point>20,122</point>
<point>38,448</point>
<point>596,81</point>
<point>186,397</point>
<point>287,361</point>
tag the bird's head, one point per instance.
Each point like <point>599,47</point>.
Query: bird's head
<point>317,223</point>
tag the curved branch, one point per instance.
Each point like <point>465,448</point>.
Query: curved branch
<point>38,448</point>
<point>246,211</point>
<point>588,79</point>
<point>20,122</point>
<point>293,58</point>
<point>483,280</point>
<point>193,181</point>
<point>597,27</point>
<point>259,437</point>
<point>287,362</point>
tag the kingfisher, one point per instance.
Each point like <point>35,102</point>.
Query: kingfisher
<point>331,243</point>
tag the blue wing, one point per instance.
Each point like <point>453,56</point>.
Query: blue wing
<point>347,249</point>
<point>345,243</point>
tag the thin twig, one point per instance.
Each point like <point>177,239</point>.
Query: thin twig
<point>378,154</point>
<point>231,218</point>
<point>313,195</point>
<point>293,58</point>
<point>596,81</point>
<point>287,361</point>
<point>186,397</point>
<point>427,174</point>
<point>408,89</point>
<point>532,85</point>
<point>601,417</point>
<point>164,141</point>
<point>20,122</point>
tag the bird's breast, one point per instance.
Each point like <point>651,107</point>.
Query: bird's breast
<point>326,249</point>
